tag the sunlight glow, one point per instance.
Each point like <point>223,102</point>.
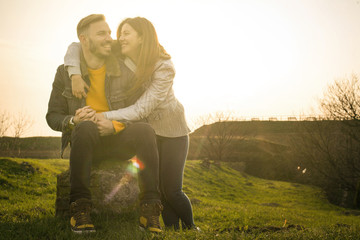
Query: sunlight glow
<point>258,58</point>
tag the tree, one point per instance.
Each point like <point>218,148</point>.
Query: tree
<point>18,125</point>
<point>220,134</point>
<point>341,100</point>
<point>21,124</point>
<point>331,148</point>
<point>5,122</point>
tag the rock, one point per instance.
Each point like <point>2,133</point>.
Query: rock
<point>113,186</point>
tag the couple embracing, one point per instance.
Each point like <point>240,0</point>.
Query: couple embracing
<point>114,99</point>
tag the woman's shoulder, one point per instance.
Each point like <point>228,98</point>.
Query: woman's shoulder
<point>164,68</point>
<point>164,63</point>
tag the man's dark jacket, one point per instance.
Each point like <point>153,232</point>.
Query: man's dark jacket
<point>63,104</point>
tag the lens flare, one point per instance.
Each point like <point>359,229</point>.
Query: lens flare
<point>131,171</point>
<point>137,163</point>
<point>123,181</point>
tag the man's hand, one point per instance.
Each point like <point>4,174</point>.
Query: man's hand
<point>78,86</point>
<point>84,114</point>
<point>105,127</point>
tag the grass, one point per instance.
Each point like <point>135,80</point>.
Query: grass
<point>227,204</point>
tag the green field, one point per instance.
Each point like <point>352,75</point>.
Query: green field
<point>227,204</point>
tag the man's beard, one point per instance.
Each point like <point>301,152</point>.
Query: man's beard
<point>94,50</point>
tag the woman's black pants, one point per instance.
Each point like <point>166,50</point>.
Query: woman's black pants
<point>177,206</point>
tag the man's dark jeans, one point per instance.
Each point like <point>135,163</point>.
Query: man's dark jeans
<point>136,139</point>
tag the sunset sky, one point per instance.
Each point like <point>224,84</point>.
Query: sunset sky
<point>258,58</point>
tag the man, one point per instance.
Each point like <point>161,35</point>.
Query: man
<point>93,139</point>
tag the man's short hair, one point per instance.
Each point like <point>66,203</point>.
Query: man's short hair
<point>84,23</point>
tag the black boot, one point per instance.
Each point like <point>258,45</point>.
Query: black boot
<point>150,216</point>
<point>80,220</point>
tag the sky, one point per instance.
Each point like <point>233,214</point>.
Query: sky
<point>256,58</point>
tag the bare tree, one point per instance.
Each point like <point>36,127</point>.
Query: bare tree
<point>341,101</point>
<point>21,124</point>
<point>331,148</point>
<point>5,122</point>
<point>218,136</point>
<point>17,126</point>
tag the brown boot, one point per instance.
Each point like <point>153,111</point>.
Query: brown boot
<point>150,216</point>
<point>80,220</point>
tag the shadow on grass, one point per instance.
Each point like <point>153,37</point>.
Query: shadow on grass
<point>108,226</point>
<point>259,229</point>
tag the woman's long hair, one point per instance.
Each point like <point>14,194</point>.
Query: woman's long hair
<point>151,50</point>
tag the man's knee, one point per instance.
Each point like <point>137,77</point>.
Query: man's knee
<point>143,129</point>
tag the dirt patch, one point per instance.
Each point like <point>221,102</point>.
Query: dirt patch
<point>271,204</point>
<point>29,168</point>
<point>5,183</point>
<point>4,198</point>
<point>12,168</point>
<point>343,225</point>
<point>351,213</point>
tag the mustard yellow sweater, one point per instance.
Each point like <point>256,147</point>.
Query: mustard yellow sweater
<point>96,98</point>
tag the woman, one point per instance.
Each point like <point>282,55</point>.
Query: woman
<point>138,46</point>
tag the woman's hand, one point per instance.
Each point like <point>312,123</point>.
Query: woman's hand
<point>78,86</point>
<point>99,116</point>
<point>105,127</point>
